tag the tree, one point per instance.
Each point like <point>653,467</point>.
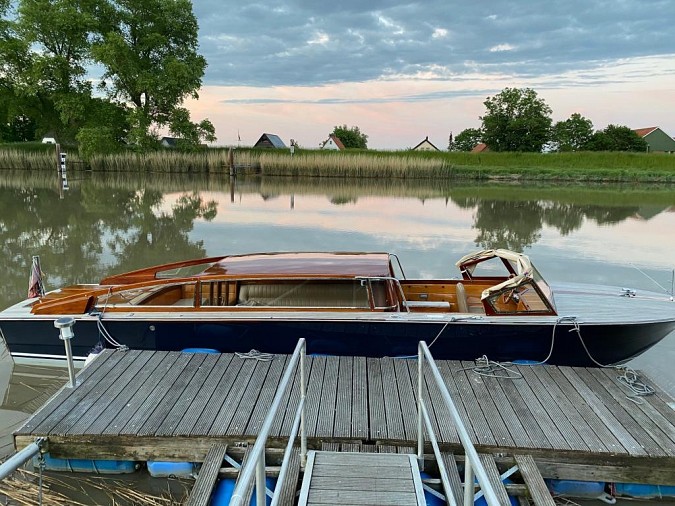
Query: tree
<point>617,138</point>
<point>149,51</point>
<point>572,134</point>
<point>351,137</point>
<point>516,120</point>
<point>467,139</point>
<point>189,134</point>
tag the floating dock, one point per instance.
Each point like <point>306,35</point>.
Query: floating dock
<point>569,423</point>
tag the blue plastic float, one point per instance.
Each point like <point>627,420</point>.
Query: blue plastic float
<point>87,466</point>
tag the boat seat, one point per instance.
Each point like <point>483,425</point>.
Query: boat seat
<point>303,295</point>
<point>428,305</point>
<point>466,304</point>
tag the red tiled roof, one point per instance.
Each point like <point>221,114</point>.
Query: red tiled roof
<point>337,141</point>
<point>480,148</point>
<point>642,132</point>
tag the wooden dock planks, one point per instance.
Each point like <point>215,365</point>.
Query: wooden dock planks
<point>139,405</point>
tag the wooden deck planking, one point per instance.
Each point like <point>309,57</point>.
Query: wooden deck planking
<point>361,479</point>
<point>343,400</point>
<point>200,494</point>
<point>234,397</point>
<point>254,421</point>
<point>376,410</point>
<point>231,394</point>
<point>486,408</point>
<point>359,400</point>
<point>551,417</point>
<point>406,382</point>
<point>597,435</point>
<point>88,410</point>
<point>392,404</point>
<point>326,412</point>
<point>182,405</point>
<point>214,404</point>
<point>604,413</point>
<point>632,419</point>
<point>198,408</point>
<point>534,481</point>
<point>505,406</point>
<point>646,404</point>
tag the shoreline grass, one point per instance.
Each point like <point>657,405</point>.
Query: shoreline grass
<point>578,166</point>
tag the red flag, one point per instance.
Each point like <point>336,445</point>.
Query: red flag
<point>35,286</point>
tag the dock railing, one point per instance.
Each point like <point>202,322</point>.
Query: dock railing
<point>255,464</point>
<point>472,463</point>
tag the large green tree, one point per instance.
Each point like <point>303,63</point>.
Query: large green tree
<point>617,138</point>
<point>149,51</point>
<point>467,139</point>
<point>516,120</point>
<point>351,137</point>
<point>572,134</point>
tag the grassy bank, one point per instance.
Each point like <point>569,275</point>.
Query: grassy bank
<point>585,166</point>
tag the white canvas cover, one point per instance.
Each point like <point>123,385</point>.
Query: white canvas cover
<point>522,262</point>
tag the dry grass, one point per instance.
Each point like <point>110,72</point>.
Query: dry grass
<point>21,488</point>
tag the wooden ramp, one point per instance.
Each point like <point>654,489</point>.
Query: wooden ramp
<point>153,405</point>
<point>384,479</point>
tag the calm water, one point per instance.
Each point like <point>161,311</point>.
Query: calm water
<point>619,235</point>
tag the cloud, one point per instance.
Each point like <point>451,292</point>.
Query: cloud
<point>299,42</point>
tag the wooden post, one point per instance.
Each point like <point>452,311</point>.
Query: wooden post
<point>230,161</point>
<point>58,158</point>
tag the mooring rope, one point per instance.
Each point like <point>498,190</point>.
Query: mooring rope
<point>255,355</point>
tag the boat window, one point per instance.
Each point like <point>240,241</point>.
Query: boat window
<point>490,269</point>
<point>305,293</point>
<point>182,294</point>
<point>218,293</point>
<point>524,298</point>
<point>182,272</point>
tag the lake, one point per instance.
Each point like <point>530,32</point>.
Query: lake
<point>621,235</point>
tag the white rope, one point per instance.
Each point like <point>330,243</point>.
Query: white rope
<point>493,369</point>
<point>256,355</point>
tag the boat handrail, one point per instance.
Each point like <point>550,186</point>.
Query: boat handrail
<point>472,461</point>
<point>398,262</point>
<point>255,465</point>
<point>395,281</point>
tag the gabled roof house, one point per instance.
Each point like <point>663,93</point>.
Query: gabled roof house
<point>333,142</point>
<point>480,148</point>
<point>425,145</point>
<point>657,140</point>
<point>269,141</point>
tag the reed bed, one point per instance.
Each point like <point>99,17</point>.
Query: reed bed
<point>21,488</point>
<point>360,165</point>
<point>16,159</point>
<point>162,162</point>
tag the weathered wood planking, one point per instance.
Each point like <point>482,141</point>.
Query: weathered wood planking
<point>142,405</point>
<point>361,479</point>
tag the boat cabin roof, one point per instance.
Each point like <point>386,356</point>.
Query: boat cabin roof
<point>303,264</point>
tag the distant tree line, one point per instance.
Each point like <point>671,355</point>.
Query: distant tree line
<point>146,51</point>
<point>518,120</point>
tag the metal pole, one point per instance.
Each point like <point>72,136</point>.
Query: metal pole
<point>65,326</point>
<point>468,483</point>
<point>20,458</point>
<point>420,433</point>
<point>260,492</point>
<point>303,392</point>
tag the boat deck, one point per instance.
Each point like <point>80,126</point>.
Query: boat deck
<point>154,405</point>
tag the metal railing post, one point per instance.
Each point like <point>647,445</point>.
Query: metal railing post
<point>65,326</point>
<point>468,483</point>
<point>303,393</point>
<point>260,492</point>
<point>420,402</point>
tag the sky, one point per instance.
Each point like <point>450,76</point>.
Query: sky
<point>402,71</point>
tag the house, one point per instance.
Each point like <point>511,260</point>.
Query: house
<point>657,140</point>
<point>49,138</point>
<point>425,145</point>
<point>269,141</point>
<point>168,142</point>
<point>480,148</point>
<point>333,143</point>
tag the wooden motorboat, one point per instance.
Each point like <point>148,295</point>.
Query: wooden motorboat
<point>355,304</point>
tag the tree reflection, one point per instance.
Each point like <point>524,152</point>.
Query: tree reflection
<point>91,233</point>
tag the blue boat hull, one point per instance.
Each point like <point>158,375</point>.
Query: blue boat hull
<point>458,340</point>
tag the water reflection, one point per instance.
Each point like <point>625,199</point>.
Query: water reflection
<point>107,223</point>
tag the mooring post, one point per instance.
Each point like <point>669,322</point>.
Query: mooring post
<point>65,326</point>
<point>230,161</point>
